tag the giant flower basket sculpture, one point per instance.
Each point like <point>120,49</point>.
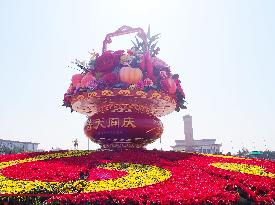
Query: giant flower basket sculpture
<point>124,93</point>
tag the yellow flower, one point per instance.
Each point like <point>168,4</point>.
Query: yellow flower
<point>123,58</point>
<point>132,86</point>
<point>224,156</point>
<point>244,168</point>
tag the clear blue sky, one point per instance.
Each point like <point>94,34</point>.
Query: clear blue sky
<point>224,52</point>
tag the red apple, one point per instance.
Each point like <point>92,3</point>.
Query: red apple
<point>168,85</point>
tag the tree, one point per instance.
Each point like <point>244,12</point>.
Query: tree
<point>7,150</point>
<point>243,153</point>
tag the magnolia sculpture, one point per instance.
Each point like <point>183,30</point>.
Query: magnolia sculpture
<point>123,93</point>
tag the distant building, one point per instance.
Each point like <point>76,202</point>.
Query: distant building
<point>255,154</point>
<point>25,146</point>
<point>56,149</point>
<point>191,145</point>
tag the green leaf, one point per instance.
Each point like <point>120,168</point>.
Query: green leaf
<point>146,89</point>
<point>135,45</point>
<point>153,38</point>
<point>143,47</point>
<point>153,46</point>
<point>150,42</point>
<point>138,43</point>
<point>116,69</point>
<point>148,32</point>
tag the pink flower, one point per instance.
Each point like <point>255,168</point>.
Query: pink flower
<point>70,89</point>
<point>76,79</point>
<point>148,82</point>
<point>86,80</point>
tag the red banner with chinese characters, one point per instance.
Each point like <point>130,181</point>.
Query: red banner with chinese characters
<point>125,129</point>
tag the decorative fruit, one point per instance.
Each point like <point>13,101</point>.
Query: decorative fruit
<point>149,65</point>
<point>169,85</point>
<point>130,75</point>
<point>142,63</point>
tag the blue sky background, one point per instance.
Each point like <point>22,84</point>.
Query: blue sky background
<point>224,52</point>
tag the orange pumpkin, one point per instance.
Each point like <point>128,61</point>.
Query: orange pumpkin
<point>130,75</point>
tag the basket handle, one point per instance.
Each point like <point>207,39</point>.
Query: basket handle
<point>122,31</point>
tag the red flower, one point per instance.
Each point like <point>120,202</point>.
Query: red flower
<point>67,99</point>
<point>109,78</point>
<point>177,81</point>
<point>130,52</point>
<point>107,61</point>
<point>117,55</point>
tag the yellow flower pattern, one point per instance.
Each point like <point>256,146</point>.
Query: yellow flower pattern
<point>244,168</point>
<point>138,176</point>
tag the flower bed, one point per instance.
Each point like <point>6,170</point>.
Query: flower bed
<point>135,177</point>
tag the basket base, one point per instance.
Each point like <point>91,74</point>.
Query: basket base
<point>118,129</point>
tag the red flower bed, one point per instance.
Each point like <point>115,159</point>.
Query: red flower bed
<point>193,178</point>
<point>61,170</point>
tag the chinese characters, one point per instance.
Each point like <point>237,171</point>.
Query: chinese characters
<point>126,122</point>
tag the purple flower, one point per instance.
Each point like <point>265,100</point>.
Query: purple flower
<point>93,84</point>
<point>140,85</point>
